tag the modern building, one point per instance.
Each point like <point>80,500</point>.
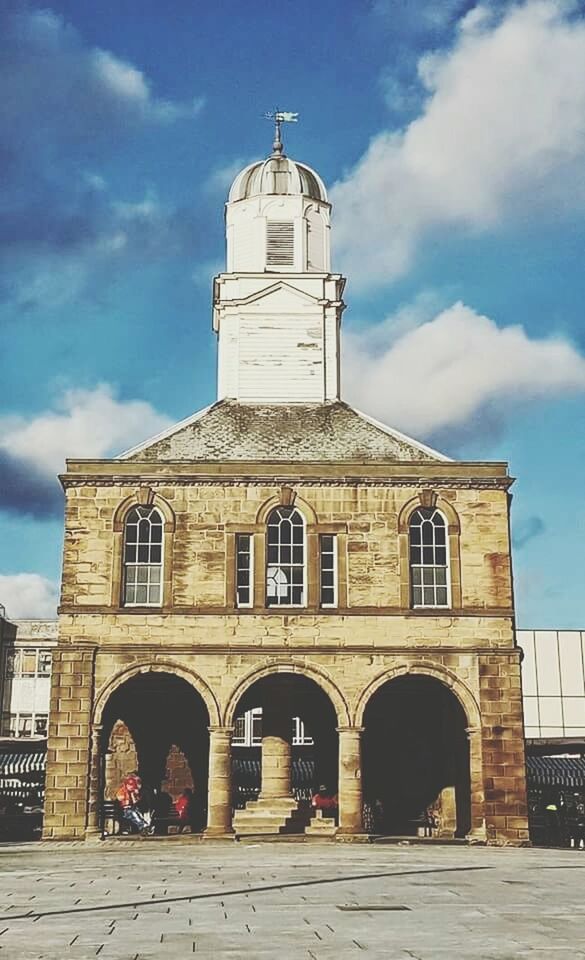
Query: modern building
<point>281,550</point>
<point>26,651</point>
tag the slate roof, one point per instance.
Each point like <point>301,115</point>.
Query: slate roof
<point>310,433</point>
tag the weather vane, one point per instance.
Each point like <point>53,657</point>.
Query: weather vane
<point>279,117</point>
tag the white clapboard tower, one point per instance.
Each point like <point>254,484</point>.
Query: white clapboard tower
<point>277,308</point>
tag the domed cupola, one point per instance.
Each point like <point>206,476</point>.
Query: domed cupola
<point>278,217</point>
<point>277,175</point>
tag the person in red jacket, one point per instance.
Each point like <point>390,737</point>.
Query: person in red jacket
<point>325,802</point>
<point>184,807</point>
<point>128,795</point>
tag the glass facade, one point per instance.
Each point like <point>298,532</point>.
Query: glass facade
<point>553,681</point>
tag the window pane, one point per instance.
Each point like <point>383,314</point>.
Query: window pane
<point>130,553</point>
<point>442,596</point>
<point>12,664</point>
<point>298,534</point>
<point>45,659</point>
<point>427,533</point>
<point>417,596</point>
<point>428,596</point>
<point>25,725</point>
<point>41,725</point>
<point>141,594</point>
<point>154,593</point>
<point>28,663</point>
<point>415,555</point>
<point>428,555</point>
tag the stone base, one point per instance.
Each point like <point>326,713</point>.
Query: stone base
<point>321,826</point>
<point>270,815</point>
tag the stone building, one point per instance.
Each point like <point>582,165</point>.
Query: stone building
<point>282,552</point>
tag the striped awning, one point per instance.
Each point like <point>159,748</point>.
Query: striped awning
<point>555,771</point>
<point>15,764</point>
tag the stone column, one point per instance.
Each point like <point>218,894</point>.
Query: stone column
<point>219,812</point>
<point>276,749</point>
<point>350,780</point>
<point>477,800</point>
<point>95,793</point>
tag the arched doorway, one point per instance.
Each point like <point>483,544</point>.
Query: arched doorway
<point>158,724</point>
<point>283,749</point>
<point>416,759</point>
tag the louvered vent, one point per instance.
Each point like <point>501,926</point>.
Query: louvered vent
<point>280,245</point>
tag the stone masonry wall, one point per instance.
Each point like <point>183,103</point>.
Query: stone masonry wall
<point>203,511</point>
<point>69,742</point>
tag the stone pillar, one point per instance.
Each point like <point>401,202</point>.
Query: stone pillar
<point>276,749</point>
<point>478,826</point>
<point>96,785</point>
<point>447,813</point>
<point>219,813</point>
<point>350,780</point>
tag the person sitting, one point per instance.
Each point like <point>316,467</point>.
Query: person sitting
<point>128,796</point>
<point>324,802</point>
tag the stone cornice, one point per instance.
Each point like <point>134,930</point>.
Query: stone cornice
<point>260,613</point>
<point>404,474</point>
<point>286,652</point>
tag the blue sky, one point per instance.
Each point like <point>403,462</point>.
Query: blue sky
<point>451,136</point>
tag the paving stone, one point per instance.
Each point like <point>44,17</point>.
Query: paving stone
<point>116,902</point>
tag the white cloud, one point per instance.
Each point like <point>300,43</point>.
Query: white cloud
<point>502,129</point>
<point>71,90</point>
<point>85,423</point>
<point>28,595</point>
<point>452,369</point>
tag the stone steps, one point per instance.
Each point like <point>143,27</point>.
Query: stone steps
<point>277,816</point>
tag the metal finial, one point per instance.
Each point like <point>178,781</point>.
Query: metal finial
<point>279,117</point>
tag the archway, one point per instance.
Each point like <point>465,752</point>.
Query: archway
<point>416,759</point>
<point>157,723</point>
<point>283,748</point>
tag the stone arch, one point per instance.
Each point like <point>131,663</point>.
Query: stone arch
<point>144,496</point>
<point>287,497</point>
<point>312,672</point>
<point>160,666</point>
<point>441,504</point>
<point>429,669</point>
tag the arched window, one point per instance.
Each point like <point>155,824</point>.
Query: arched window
<point>429,563</point>
<point>285,558</point>
<point>143,536</point>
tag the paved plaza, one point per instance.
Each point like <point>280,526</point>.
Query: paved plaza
<point>133,900</point>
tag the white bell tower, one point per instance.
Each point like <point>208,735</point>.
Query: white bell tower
<point>277,308</point>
